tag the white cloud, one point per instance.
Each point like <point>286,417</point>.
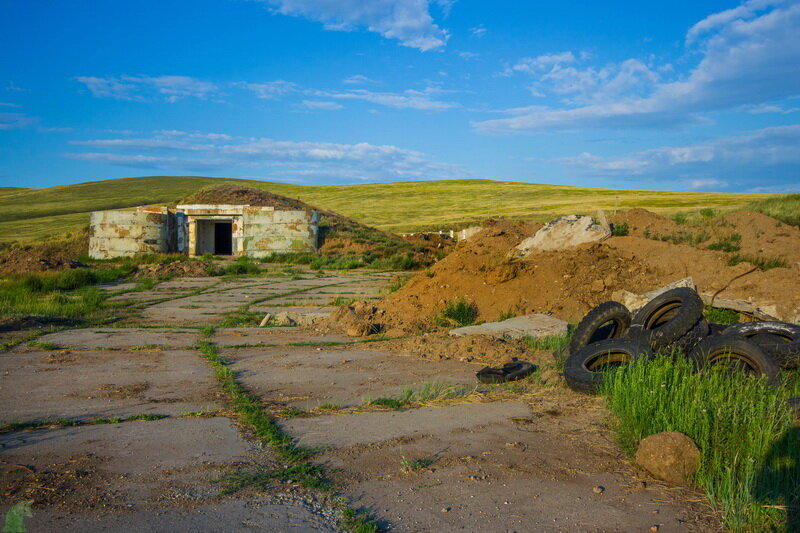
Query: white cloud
<point>189,151</point>
<point>146,88</point>
<point>410,99</point>
<point>15,121</point>
<point>748,56</point>
<point>770,153</point>
<point>478,31</point>
<point>408,21</point>
<point>358,79</point>
<point>270,90</point>
<point>7,104</point>
<point>320,105</point>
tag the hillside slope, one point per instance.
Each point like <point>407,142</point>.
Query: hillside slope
<point>403,206</point>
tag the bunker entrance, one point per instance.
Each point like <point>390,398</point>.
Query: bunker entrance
<point>223,238</point>
<point>214,237</point>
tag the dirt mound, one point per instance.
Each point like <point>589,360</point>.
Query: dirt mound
<point>240,195</point>
<point>567,283</point>
<point>762,235</point>
<point>61,253</point>
<point>179,269</point>
<point>472,349</point>
<point>641,222</point>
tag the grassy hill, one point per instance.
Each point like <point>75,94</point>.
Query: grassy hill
<point>27,214</point>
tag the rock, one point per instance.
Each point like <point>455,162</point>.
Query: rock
<point>564,232</point>
<point>265,320</point>
<point>670,456</point>
<point>634,302</point>
<point>598,285</point>
<point>599,490</point>
<point>534,325</point>
<point>467,233</point>
<point>284,319</point>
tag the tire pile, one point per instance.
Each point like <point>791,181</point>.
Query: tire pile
<point>673,322</point>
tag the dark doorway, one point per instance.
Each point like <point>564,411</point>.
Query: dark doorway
<point>223,238</point>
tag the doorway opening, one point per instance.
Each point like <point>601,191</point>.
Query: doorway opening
<point>223,238</point>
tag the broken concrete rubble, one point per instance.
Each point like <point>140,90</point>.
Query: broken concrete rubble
<point>564,232</point>
<point>533,325</point>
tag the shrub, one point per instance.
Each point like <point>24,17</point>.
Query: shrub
<point>459,312</point>
<point>620,230</point>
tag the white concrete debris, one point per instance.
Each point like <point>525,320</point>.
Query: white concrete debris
<point>564,232</point>
<point>534,325</point>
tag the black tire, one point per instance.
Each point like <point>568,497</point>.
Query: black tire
<point>609,320</point>
<point>780,340</point>
<point>508,372</point>
<point>692,337</point>
<point>737,353</point>
<point>584,370</point>
<point>716,329</point>
<point>669,316</point>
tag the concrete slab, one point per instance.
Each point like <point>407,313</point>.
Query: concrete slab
<point>306,376</point>
<point>92,338</point>
<point>81,384</point>
<point>534,325</point>
<point>375,427</point>
<point>273,336</point>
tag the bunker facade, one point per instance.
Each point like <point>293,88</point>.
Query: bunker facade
<point>197,229</point>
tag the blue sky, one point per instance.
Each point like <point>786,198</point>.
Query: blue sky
<point>645,95</point>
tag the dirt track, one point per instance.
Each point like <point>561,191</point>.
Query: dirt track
<point>524,462</point>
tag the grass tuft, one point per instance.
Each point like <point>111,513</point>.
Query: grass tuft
<point>409,465</point>
<point>747,435</point>
<point>457,312</point>
<point>763,263</point>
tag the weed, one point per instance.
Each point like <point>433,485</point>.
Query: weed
<point>680,218</point>
<point>728,244</point>
<point>763,263</point>
<point>44,345</point>
<point>409,465</point>
<point>620,230</point>
<point>192,413</point>
<point>716,315</point>
<point>207,331</point>
<point>327,406</point>
<point>434,390</point>
<point>358,521</point>
<point>506,315</point>
<point>291,413</point>
<point>745,432</point>
<point>341,300</point>
<point>458,312</point>
<point>398,282</point>
<point>391,403</point>
<point>549,343</point>
<point>707,213</point>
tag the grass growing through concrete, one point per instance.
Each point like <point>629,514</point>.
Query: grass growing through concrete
<point>428,392</point>
<point>299,469</point>
<point>748,436</point>
<point>68,422</point>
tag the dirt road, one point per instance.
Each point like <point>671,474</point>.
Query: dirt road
<point>144,435</point>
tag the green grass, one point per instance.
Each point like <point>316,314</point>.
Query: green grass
<point>66,294</point>
<point>412,465</point>
<point>400,207</point>
<point>458,312</point>
<point>425,393</point>
<point>620,230</point>
<point>68,422</point>
<point>716,315</point>
<point>784,208</point>
<point>327,406</point>
<point>748,438</point>
<point>763,263</point>
<point>551,342</point>
<point>44,345</point>
<point>732,243</point>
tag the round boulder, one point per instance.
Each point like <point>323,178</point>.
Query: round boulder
<point>670,456</point>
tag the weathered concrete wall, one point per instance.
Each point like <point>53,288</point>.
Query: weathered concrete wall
<point>268,231</point>
<point>125,233</point>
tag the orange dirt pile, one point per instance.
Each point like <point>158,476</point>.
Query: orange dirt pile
<point>58,254</point>
<point>179,269</point>
<point>758,234</point>
<point>567,283</point>
<point>471,349</point>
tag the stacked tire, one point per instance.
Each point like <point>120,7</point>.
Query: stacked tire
<point>673,323</point>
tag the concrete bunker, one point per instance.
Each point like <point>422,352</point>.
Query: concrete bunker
<point>198,229</point>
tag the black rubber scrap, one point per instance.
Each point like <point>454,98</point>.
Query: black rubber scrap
<point>508,372</point>
<point>609,320</point>
<point>780,340</point>
<point>669,316</point>
<point>737,354</point>
<point>584,370</point>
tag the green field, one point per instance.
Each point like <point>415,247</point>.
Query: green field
<point>27,214</point>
